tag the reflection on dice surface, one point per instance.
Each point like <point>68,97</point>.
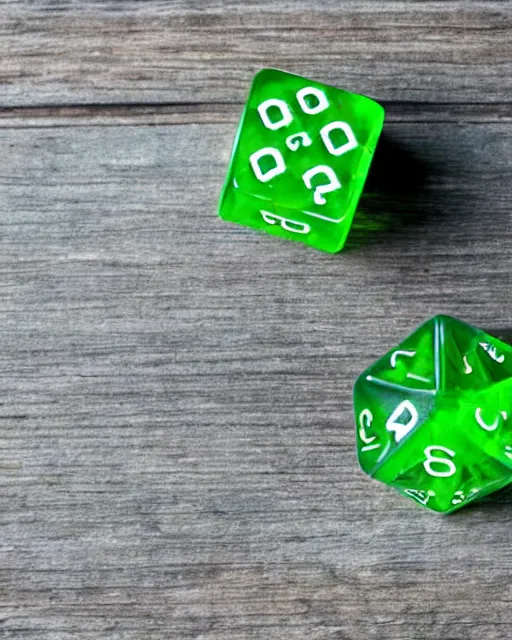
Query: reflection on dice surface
<point>300,159</point>
<point>434,415</point>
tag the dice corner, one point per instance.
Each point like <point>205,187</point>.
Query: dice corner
<point>263,76</point>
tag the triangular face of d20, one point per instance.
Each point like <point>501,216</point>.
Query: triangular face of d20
<point>413,363</point>
<point>386,416</point>
<point>471,358</point>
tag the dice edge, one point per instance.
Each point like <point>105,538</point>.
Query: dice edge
<point>363,169</point>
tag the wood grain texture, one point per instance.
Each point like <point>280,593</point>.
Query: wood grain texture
<point>117,51</point>
<point>176,438</point>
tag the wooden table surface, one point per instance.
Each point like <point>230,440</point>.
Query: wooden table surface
<point>177,450</point>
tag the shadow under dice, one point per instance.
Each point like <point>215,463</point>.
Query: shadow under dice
<point>300,159</point>
<point>434,415</point>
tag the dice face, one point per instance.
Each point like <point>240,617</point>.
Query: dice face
<point>434,415</point>
<point>300,159</point>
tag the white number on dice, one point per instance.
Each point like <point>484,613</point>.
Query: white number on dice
<point>350,144</point>
<point>449,465</point>
<point>408,354</point>
<point>322,105</point>
<point>494,425</point>
<point>491,350</point>
<point>320,190</point>
<point>279,168</point>
<point>460,496</point>
<point>365,420</point>
<point>467,367</point>
<point>400,352</point>
<point>295,141</point>
<point>285,223</point>
<point>401,430</point>
<point>419,495</point>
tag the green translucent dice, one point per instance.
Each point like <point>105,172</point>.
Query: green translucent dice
<point>300,159</point>
<point>434,415</point>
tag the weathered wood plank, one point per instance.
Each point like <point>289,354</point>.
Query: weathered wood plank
<point>198,113</point>
<point>68,52</point>
<point>176,440</point>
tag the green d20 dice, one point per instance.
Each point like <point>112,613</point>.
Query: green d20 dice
<point>300,159</point>
<point>434,415</point>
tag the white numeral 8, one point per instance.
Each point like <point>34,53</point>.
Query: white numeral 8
<point>451,468</point>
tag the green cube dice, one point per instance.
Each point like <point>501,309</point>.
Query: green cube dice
<point>434,415</point>
<point>300,159</point>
